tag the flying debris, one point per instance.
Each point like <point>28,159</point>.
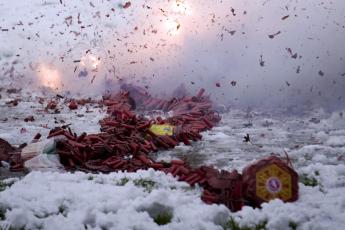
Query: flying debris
<point>83,73</point>
<point>261,61</point>
<point>285,17</point>
<point>233,11</point>
<point>69,20</point>
<point>273,35</point>
<point>289,50</point>
<point>126,5</point>
<point>246,138</point>
<point>298,70</point>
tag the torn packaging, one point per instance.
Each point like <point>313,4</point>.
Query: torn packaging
<point>36,156</point>
<point>10,154</point>
<point>5,150</point>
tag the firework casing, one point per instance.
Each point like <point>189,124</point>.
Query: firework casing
<point>268,179</point>
<point>225,187</point>
<point>162,130</point>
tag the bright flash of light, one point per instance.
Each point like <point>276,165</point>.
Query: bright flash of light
<point>90,61</point>
<point>173,26</point>
<point>181,7</point>
<point>49,76</point>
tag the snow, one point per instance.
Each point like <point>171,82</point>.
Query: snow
<point>49,199</point>
<point>85,119</point>
<point>101,201</point>
<point>315,142</point>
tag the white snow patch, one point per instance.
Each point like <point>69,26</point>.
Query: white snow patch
<point>48,200</point>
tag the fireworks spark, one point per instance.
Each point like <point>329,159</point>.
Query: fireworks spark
<point>49,76</point>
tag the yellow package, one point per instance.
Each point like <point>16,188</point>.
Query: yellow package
<point>162,130</point>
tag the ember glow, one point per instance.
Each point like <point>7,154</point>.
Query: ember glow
<point>181,7</point>
<point>49,76</point>
<point>173,27</point>
<point>90,62</point>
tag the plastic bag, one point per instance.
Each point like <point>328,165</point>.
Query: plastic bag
<point>41,156</point>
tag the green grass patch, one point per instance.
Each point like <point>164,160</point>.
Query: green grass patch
<point>63,209</point>
<point>16,228</point>
<point>233,225</point>
<point>2,213</point>
<point>5,185</point>
<point>163,218</point>
<point>2,186</point>
<point>308,180</point>
<point>293,225</point>
<point>148,185</point>
<point>122,182</point>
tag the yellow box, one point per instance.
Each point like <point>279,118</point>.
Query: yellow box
<point>162,130</point>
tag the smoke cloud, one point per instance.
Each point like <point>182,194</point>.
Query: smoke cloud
<point>263,53</point>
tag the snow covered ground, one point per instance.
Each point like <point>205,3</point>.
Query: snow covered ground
<point>55,200</point>
<point>38,36</point>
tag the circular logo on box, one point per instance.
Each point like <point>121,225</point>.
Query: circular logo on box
<point>273,185</point>
<point>273,182</point>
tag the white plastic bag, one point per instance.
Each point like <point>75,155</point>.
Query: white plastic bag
<point>41,156</point>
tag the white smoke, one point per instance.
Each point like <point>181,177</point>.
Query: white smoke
<point>279,53</point>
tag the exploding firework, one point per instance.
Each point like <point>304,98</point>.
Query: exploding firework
<point>49,76</point>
